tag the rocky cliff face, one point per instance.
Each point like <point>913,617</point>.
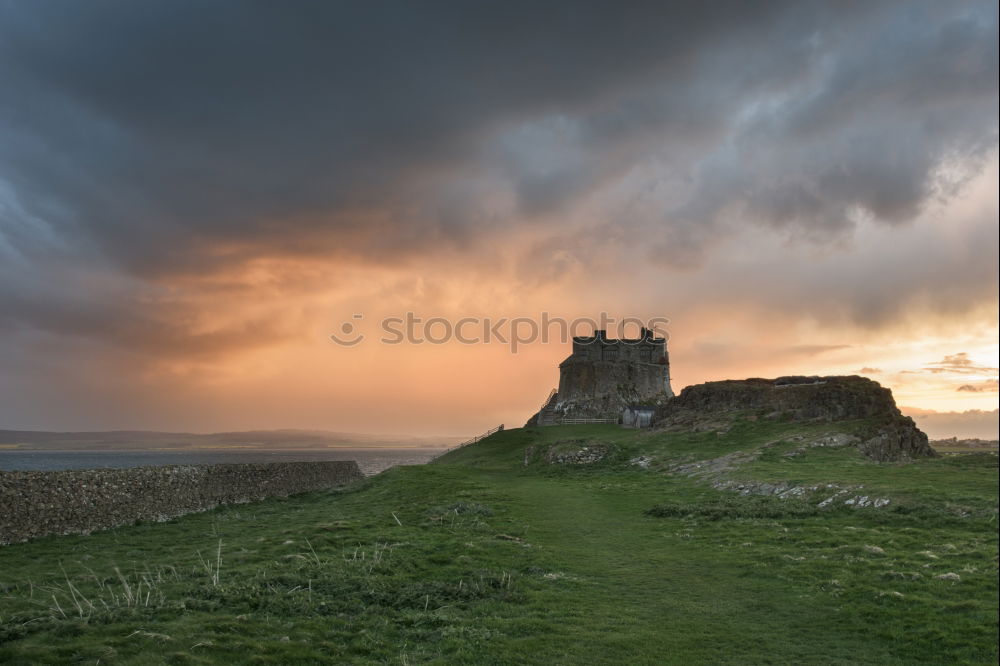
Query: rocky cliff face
<point>609,405</point>
<point>889,436</point>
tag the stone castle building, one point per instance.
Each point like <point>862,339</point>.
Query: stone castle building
<point>604,375</point>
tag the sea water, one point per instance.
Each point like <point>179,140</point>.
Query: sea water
<point>371,461</point>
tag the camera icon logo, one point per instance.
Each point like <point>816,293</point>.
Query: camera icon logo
<point>349,336</point>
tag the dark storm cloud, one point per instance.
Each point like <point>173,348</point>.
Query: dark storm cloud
<point>880,109</point>
<point>125,315</point>
<point>160,138</point>
<point>152,127</point>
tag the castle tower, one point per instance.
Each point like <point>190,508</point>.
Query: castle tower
<point>637,369</point>
<point>602,376</point>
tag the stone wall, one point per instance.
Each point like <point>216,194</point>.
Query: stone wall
<point>34,504</point>
<point>582,380</point>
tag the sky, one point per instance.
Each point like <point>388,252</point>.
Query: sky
<point>195,195</point>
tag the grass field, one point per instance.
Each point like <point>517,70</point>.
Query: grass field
<point>481,558</point>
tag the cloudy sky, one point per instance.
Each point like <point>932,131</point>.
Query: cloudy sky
<point>195,195</point>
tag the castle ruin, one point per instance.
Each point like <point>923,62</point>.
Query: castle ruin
<point>605,375</point>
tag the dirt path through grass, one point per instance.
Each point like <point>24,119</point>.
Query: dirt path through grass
<point>629,585</point>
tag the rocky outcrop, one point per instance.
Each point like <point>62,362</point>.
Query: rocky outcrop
<point>794,398</point>
<point>609,406</point>
<point>887,436</point>
<point>896,439</point>
<point>569,452</point>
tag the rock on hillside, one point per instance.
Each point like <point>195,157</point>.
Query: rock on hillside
<point>890,435</point>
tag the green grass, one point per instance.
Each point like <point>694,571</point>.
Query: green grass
<point>481,559</point>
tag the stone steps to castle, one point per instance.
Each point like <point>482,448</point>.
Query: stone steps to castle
<point>547,414</point>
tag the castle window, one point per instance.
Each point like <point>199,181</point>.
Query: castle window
<point>646,355</point>
<point>609,354</point>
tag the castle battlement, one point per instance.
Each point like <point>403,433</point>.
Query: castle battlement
<point>599,347</point>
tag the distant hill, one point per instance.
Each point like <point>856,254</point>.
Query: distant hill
<point>253,439</point>
<point>956,445</point>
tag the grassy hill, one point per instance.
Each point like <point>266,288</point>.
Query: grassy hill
<point>569,544</point>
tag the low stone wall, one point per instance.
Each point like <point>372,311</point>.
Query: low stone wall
<point>34,504</point>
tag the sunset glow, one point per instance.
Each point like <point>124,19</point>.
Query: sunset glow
<point>177,245</point>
